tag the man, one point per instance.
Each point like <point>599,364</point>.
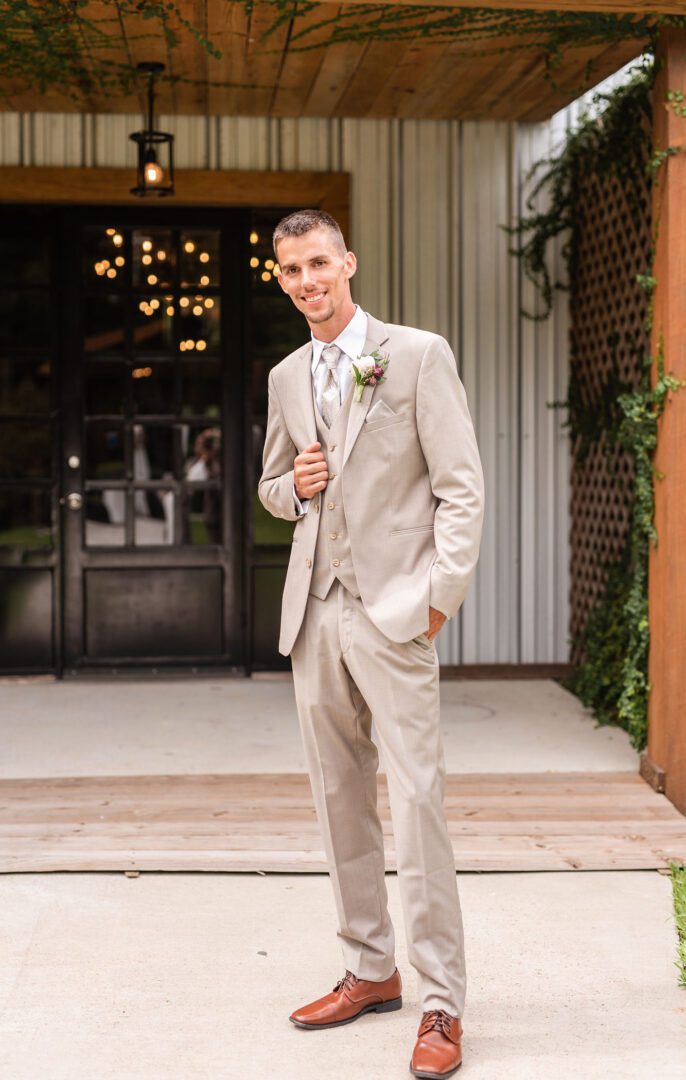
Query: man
<point>385,484</point>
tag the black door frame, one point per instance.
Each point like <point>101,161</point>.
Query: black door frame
<point>231,555</point>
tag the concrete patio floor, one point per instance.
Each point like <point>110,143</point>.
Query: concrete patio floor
<point>168,976</point>
<point>217,725</point>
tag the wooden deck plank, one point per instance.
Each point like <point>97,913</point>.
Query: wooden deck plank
<point>249,822</point>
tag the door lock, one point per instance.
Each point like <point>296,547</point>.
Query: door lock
<point>74,500</point>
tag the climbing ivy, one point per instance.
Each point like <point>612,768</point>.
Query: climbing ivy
<point>70,45</point>
<point>615,141</point>
<point>548,34</point>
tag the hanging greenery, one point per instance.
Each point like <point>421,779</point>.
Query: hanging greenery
<point>70,46</point>
<point>614,141</point>
<point>496,31</point>
<point>612,138</point>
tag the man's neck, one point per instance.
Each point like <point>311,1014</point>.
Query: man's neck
<point>328,331</point>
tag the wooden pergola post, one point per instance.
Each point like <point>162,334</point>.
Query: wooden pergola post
<point>667,568</point>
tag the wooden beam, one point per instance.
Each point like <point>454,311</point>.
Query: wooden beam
<point>612,7</point>
<point>667,570</point>
<point>194,187</point>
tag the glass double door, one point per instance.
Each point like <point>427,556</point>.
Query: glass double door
<point>152,437</point>
<point>135,349</point>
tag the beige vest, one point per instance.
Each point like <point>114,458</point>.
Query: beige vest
<point>332,558</point>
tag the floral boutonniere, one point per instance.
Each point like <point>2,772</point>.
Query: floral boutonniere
<point>369,373</point>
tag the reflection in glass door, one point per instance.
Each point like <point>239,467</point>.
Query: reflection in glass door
<point>29,639</point>
<point>153,466</point>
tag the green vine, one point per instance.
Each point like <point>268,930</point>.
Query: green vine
<point>613,677</point>
<point>66,46</point>
<point>614,143</point>
<point>61,45</point>
<point>497,32</point>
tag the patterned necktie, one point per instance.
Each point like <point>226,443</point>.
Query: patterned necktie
<point>331,394</point>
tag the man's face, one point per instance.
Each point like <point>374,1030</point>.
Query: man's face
<point>315,273</point>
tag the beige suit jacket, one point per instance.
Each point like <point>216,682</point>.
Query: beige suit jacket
<point>412,483</point>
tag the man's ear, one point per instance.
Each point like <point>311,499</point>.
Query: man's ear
<point>350,263</point>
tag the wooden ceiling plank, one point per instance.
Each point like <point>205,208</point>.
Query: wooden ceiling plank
<point>417,62</point>
<point>228,31</point>
<point>452,72</point>
<point>386,75</point>
<point>262,62</point>
<point>492,79</point>
<point>146,43</point>
<point>339,65</point>
<point>90,52</point>
<point>369,80</point>
<point>530,107</point>
<point>190,62</point>
<point>300,67</point>
<point>525,100</point>
<point>24,99</point>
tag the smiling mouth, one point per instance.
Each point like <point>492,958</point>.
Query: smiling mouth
<point>314,298</point>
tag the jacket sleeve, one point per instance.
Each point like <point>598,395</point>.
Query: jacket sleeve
<point>449,445</point>
<point>276,485</point>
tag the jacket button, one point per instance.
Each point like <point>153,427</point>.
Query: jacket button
<point>334,536</point>
<point>333,446</point>
<point>308,562</point>
<point>330,506</point>
<point>316,508</point>
<point>332,476</point>
<point>337,562</point>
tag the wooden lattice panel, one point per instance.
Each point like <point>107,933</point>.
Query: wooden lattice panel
<point>608,339</point>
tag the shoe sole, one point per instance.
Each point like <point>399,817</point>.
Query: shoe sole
<point>382,1007</point>
<point>433,1076</point>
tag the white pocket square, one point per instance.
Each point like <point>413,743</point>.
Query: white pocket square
<point>378,410</point>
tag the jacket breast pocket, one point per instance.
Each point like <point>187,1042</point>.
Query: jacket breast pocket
<point>386,421</point>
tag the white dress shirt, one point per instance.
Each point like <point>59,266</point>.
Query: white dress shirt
<point>351,343</point>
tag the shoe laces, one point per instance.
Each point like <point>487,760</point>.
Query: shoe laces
<point>438,1019</point>
<point>347,981</point>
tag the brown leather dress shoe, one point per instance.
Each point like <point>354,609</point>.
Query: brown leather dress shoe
<point>437,1051</point>
<point>350,998</point>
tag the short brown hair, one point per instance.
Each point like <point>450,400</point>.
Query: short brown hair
<point>303,221</point>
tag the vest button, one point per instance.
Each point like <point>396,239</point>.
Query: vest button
<point>334,536</point>
<point>337,562</point>
<point>316,507</point>
<point>332,476</point>
<point>330,506</point>
<point>333,446</point>
<point>308,562</point>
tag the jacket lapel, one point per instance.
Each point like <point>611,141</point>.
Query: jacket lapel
<point>377,334</point>
<point>303,401</point>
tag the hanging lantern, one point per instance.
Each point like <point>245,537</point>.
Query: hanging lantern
<point>155,148</point>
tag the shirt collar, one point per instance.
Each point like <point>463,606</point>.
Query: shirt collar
<point>350,340</point>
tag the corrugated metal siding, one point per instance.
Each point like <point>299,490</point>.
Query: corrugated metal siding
<point>428,200</point>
